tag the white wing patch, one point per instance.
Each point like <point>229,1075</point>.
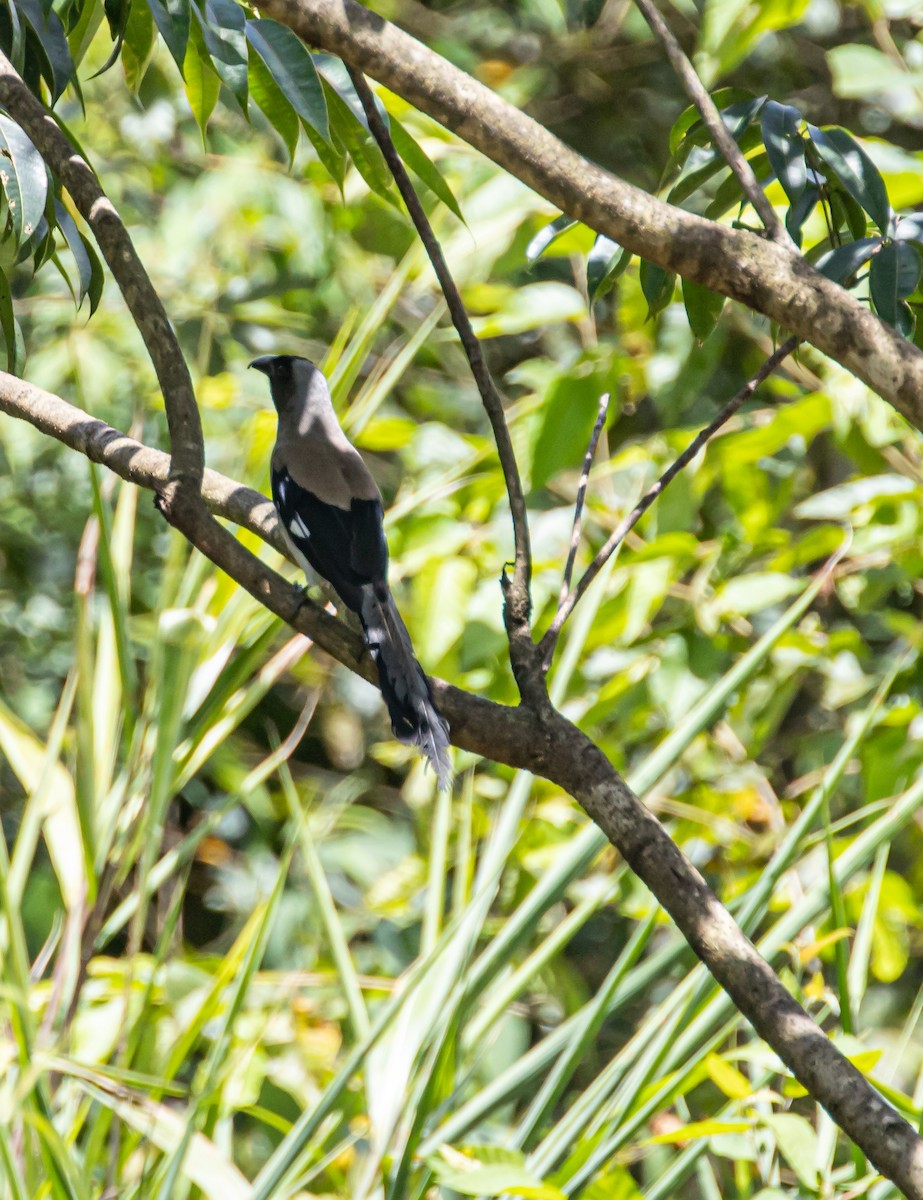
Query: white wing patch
<point>298,527</point>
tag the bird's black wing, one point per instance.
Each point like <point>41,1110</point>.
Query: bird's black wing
<point>346,546</point>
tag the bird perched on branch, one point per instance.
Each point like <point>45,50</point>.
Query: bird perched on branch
<point>331,514</point>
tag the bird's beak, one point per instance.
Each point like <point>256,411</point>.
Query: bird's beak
<point>262,364</point>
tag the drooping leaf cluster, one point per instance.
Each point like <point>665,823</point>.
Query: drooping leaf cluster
<point>823,171</point>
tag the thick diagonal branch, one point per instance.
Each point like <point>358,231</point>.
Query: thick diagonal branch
<point>144,304</point>
<point>767,277</point>
<point>543,742</point>
<point>517,607</point>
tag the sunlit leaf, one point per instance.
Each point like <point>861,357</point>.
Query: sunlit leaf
<point>797,1143</point>
<point>268,97</point>
<point>781,128</point>
<point>703,308</point>
<point>202,84</point>
<point>844,261</point>
<point>855,171</point>
<point>657,286</point>
<point>422,166</point>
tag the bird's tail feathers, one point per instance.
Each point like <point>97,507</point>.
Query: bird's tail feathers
<point>404,687</point>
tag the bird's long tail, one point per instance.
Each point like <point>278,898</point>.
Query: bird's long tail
<point>404,688</point>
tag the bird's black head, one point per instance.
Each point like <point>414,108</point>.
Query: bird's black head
<point>285,373</point>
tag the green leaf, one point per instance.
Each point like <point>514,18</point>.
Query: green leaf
<point>78,250</point>
<point>657,286</point>
<point>293,70</point>
<point>495,1179</point>
<point>843,261</point>
<point>604,264</point>
<point>7,322</point>
<point>703,308</point>
<point>547,235</point>
<point>362,147</point>
<point>797,1143</point>
<point>172,18</point>
<point>422,166</point>
<point>800,211</point>
<point>268,97</point>
<point>49,32</point>
<point>894,275</point>
<point>24,179</point>
<point>202,84</point>
<point>97,275</point>
<point>568,415</point>
<point>781,125</point>
<point>736,116</point>
<point>138,45</point>
<point>222,25</point>
<point>80,34</point>
<point>855,171</point>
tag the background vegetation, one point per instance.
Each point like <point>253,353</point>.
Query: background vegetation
<point>229,956</point>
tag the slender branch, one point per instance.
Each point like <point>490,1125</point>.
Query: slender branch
<point>765,276</point>
<point>581,496</point>
<point>548,744</point>
<point>518,604</point>
<point>711,118</point>
<point>144,304</point>
<point>569,603</point>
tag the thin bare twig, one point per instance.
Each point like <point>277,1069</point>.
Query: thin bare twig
<point>708,111</point>
<point>581,496</point>
<point>567,606</point>
<point>517,594</point>
<point>147,310</point>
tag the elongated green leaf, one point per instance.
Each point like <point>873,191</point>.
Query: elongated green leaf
<point>894,275</point>
<point>77,248</point>
<point>657,286</point>
<point>800,211</point>
<point>844,261</point>
<point>7,322</point>
<point>24,179</point>
<point>202,84</point>
<point>172,18</point>
<point>269,99</point>
<point>292,69</point>
<point>546,236</point>
<point>797,1143</point>
<point>781,125</point>
<point>855,171</point>
<point>222,25</point>
<point>425,170</point>
<point>49,32</point>
<point>604,264</point>
<point>138,45</point>
<point>363,149</point>
<point>703,308</point>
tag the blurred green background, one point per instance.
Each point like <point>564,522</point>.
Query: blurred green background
<point>206,937</point>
